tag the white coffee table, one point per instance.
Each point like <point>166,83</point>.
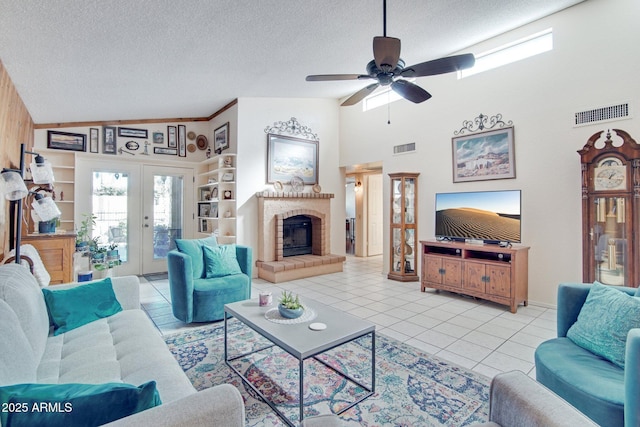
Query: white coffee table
<point>301,342</point>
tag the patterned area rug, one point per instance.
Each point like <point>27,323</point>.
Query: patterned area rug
<point>412,388</point>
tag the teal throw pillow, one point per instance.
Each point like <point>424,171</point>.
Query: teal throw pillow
<point>68,405</point>
<point>221,261</point>
<point>71,308</point>
<point>193,248</point>
<point>604,322</point>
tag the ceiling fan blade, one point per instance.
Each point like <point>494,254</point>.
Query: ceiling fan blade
<point>360,95</point>
<point>330,77</point>
<point>410,91</point>
<point>386,52</point>
<point>440,66</point>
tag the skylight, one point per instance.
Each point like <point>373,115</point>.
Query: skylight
<point>515,51</point>
<point>380,98</point>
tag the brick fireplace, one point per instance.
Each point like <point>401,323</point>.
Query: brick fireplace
<point>273,209</point>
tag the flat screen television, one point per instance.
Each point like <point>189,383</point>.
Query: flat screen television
<point>491,216</point>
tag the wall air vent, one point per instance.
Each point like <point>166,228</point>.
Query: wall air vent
<point>404,148</point>
<point>602,114</point>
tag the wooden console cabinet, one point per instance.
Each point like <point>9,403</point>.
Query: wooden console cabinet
<point>56,251</point>
<point>489,272</point>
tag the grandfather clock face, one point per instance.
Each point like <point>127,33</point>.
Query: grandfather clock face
<point>609,175</point>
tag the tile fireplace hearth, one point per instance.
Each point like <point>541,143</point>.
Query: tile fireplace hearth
<point>273,209</point>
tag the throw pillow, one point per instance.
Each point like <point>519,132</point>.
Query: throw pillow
<point>71,308</point>
<point>67,405</point>
<point>221,261</point>
<point>604,322</point>
<point>193,248</point>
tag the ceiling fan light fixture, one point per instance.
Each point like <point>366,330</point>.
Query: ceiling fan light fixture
<point>389,70</point>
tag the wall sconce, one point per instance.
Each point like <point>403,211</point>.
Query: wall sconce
<point>15,190</point>
<point>358,186</point>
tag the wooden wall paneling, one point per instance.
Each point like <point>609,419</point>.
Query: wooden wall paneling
<point>16,127</point>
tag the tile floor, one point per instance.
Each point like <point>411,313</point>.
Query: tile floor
<point>475,334</point>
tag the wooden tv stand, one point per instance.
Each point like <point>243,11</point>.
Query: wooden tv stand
<point>491,272</point>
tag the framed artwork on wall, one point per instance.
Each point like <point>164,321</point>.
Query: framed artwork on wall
<point>289,157</point>
<point>165,150</point>
<point>221,138</point>
<point>109,144</point>
<point>66,141</point>
<point>93,140</point>
<point>182,140</point>
<point>484,156</point>
<point>172,137</point>
<point>133,133</point>
<point>158,138</point>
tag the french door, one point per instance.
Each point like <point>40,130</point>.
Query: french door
<point>141,209</point>
<point>167,213</point>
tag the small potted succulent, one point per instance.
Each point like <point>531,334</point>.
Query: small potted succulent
<point>290,306</point>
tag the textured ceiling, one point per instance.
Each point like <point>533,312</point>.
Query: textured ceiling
<point>85,60</point>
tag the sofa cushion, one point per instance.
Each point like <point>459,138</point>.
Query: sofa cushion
<point>125,347</point>
<point>220,261</point>
<point>67,405</point>
<point>604,322</point>
<point>589,382</point>
<point>17,361</point>
<point>193,248</point>
<point>20,290</point>
<point>71,308</point>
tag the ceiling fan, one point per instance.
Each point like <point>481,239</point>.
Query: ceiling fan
<point>387,68</point>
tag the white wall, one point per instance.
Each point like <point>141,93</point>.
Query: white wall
<point>594,63</point>
<point>256,114</point>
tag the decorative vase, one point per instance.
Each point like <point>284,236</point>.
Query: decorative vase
<point>290,313</point>
<point>47,227</point>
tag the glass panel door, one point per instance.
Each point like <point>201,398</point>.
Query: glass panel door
<point>167,213</point>
<point>110,194</point>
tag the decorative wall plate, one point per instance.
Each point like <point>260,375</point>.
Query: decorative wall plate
<point>202,142</point>
<point>277,186</point>
<point>297,184</point>
<point>191,148</point>
<point>316,188</point>
<point>191,135</point>
<point>132,145</point>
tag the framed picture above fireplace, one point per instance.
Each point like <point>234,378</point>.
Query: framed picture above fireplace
<point>289,157</point>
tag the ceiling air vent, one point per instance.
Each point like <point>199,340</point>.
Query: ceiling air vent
<point>602,114</point>
<point>404,148</point>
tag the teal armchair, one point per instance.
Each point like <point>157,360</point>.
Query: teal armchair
<point>603,391</point>
<point>196,298</point>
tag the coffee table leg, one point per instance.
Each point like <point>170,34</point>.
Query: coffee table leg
<point>226,359</point>
<point>301,389</point>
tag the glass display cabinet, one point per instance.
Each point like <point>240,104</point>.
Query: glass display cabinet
<point>611,209</point>
<point>404,227</point>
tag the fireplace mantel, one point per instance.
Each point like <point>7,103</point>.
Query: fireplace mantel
<point>293,195</point>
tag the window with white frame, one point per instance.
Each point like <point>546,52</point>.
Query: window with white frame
<point>526,47</point>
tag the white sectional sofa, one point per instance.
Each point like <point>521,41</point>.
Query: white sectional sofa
<point>125,347</point>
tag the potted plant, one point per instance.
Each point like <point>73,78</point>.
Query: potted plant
<point>290,306</point>
<point>82,235</point>
<point>112,252</point>
<point>98,254</point>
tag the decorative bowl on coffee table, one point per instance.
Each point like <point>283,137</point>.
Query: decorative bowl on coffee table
<point>290,313</point>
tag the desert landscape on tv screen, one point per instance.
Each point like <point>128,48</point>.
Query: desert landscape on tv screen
<point>477,224</point>
<point>501,223</point>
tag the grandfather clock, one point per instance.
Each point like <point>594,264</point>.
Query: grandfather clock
<point>611,209</point>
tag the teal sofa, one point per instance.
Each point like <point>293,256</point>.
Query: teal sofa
<point>600,389</point>
<point>196,298</point>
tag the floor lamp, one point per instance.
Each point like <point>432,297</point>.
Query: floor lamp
<point>15,190</point>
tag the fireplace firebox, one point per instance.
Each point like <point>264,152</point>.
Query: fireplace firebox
<point>297,236</point>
